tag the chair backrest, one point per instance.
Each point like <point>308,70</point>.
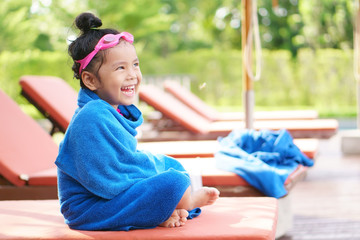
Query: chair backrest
<point>25,148</point>
<point>173,109</point>
<point>52,96</point>
<point>191,100</point>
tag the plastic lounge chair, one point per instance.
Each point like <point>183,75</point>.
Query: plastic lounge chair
<point>27,152</point>
<point>228,183</point>
<point>43,91</point>
<point>55,104</point>
<point>228,218</point>
<point>27,155</point>
<point>53,97</point>
<point>199,127</point>
<point>207,148</point>
<point>195,103</point>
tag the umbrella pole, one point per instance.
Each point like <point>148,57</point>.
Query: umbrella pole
<point>248,92</point>
<point>358,105</point>
<point>357,61</point>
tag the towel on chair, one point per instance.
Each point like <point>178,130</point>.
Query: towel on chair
<point>104,182</point>
<point>263,158</point>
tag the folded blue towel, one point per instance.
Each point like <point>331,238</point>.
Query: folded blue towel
<point>263,158</point>
<point>104,182</point>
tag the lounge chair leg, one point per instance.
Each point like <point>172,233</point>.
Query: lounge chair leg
<point>54,130</point>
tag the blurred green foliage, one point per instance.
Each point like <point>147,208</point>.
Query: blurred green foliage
<point>31,62</point>
<point>320,79</point>
<point>165,26</point>
<point>307,46</point>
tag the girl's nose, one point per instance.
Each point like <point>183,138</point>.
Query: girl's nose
<point>131,74</point>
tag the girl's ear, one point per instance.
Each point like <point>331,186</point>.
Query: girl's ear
<point>90,80</point>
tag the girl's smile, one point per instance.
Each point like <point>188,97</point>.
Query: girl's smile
<point>129,90</point>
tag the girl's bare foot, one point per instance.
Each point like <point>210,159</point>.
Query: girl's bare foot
<point>177,219</point>
<point>205,196</point>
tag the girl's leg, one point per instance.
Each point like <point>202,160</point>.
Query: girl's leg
<point>202,197</point>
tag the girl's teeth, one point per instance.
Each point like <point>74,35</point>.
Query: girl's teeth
<point>129,90</point>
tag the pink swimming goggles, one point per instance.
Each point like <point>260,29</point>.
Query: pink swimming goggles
<point>107,41</point>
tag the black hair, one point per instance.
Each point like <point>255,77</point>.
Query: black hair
<point>88,25</point>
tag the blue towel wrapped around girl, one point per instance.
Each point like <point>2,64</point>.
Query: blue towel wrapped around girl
<point>104,182</point>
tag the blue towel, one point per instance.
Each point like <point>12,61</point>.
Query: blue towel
<point>263,158</point>
<point>104,182</point>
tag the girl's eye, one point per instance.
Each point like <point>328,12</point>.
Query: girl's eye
<point>120,68</point>
<point>136,64</point>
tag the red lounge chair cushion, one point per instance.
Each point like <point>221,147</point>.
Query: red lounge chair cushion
<point>25,148</point>
<point>175,110</point>
<point>194,102</point>
<point>53,96</point>
<point>229,218</point>
<point>191,100</point>
<point>47,177</point>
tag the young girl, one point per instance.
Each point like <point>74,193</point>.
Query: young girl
<point>104,182</point>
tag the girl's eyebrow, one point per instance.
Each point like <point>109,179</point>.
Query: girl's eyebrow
<point>116,63</point>
<point>121,62</point>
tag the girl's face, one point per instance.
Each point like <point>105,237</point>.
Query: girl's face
<point>120,75</point>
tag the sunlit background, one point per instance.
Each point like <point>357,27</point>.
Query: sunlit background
<point>307,47</point>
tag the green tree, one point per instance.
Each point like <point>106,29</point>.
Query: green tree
<point>328,24</point>
<point>280,26</point>
<point>16,26</point>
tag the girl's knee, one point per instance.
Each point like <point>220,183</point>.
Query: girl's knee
<point>173,180</point>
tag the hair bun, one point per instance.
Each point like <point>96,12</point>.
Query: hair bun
<point>87,21</point>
